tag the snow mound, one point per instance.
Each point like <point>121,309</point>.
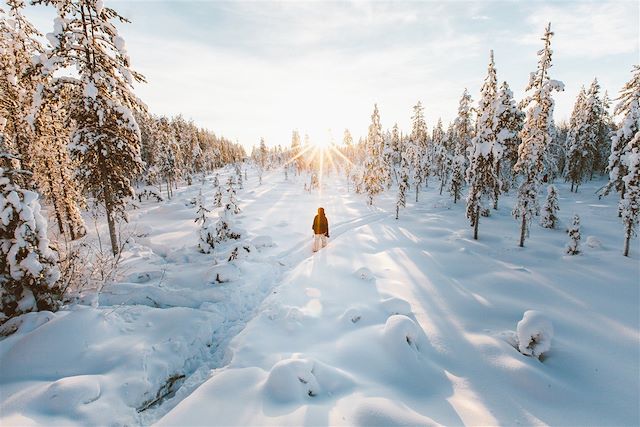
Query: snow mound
<point>298,380</point>
<point>402,334</point>
<point>263,242</point>
<point>71,392</point>
<point>535,332</point>
<point>373,412</point>
<point>365,274</point>
<point>593,242</point>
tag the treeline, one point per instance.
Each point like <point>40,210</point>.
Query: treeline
<point>73,132</point>
<point>500,145</point>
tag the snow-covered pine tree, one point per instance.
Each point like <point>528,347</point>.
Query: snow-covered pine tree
<point>418,148</point>
<point>484,152</point>
<point>51,163</point>
<point>535,135</point>
<point>605,133</point>
<point>403,184</point>
<point>573,247</point>
<point>396,146</point>
<point>18,80</point>
<point>387,160</point>
<point>29,272</point>
<point>509,124</point>
<point>232,203</point>
<point>593,115</point>
<point>550,208</point>
<point>216,180</point>
<point>206,234</point>
<point>578,150</point>
<point>463,125</point>
<point>630,203</point>
<point>440,162</point>
<point>374,172</point>
<point>106,140</point>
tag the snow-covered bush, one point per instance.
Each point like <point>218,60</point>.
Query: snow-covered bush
<point>206,233</point>
<point>534,333</point>
<point>550,208</point>
<point>573,247</point>
<point>29,272</point>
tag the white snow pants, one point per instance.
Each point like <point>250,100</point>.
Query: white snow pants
<point>319,241</point>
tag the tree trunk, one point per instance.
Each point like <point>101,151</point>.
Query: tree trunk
<point>56,203</point>
<point>441,185</point>
<point>627,237</point>
<point>108,205</point>
<point>572,186</point>
<point>417,188</point>
<point>476,223</point>
<point>523,229</point>
<point>397,211</point>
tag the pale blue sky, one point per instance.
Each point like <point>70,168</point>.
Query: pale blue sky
<point>252,69</point>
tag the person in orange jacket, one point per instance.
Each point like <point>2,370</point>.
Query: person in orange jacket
<point>320,230</point>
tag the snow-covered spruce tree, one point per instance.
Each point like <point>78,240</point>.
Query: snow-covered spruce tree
<point>593,116</point>
<point>484,153</point>
<point>51,164</point>
<point>463,125</point>
<point>387,160</point>
<point>578,149</point>
<point>629,108</point>
<point>509,123</point>
<point>535,135</point>
<point>374,172</point>
<point>206,233</point>
<point>403,184</point>
<point>550,208</point>
<point>18,80</point>
<point>232,203</point>
<point>604,135</point>
<point>462,135</point>
<point>630,203</point>
<point>418,148</point>
<point>169,154</point>
<point>29,272</point>
<point>106,140</point>
<point>441,159</point>
<point>573,247</point>
<point>216,180</point>
<point>396,146</point>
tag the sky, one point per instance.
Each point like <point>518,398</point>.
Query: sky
<point>252,69</point>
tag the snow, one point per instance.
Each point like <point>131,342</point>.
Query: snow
<point>535,332</point>
<point>395,322</point>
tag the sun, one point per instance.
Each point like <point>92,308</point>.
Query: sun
<point>323,143</point>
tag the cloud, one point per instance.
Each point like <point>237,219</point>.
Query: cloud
<point>588,29</point>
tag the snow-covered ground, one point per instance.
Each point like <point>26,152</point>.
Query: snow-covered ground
<point>395,322</point>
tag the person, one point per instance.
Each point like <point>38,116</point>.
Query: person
<point>320,230</point>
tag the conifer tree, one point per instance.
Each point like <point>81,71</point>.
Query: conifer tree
<point>396,145</point>
<point>106,140</point>
<point>29,273</point>
<point>232,203</point>
<point>217,198</point>
<point>19,79</point>
<point>535,135</point>
<point>594,116</point>
<point>403,184</point>
<point>463,125</point>
<point>622,142</point>
<point>630,204</point>
<point>374,173</point>
<point>508,125</point>
<point>573,247</point>
<point>440,155</point>
<point>206,233</point>
<point>577,142</point>
<point>419,142</point>
<point>52,166</point>
<point>550,208</point>
<point>485,150</point>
